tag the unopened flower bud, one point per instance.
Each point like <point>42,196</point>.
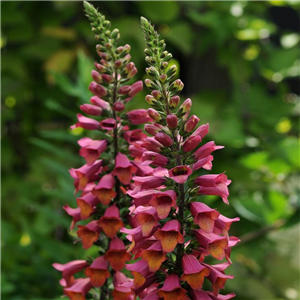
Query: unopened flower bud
<point>156,94</point>
<point>191,143</point>
<point>163,78</point>
<point>96,76</point>
<point>91,109</point>
<point>171,72</point>
<point>120,49</point>
<point>186,106</point>
<point>172,121</point>
<point>129,67</point>
<point>150,84</point>
<point>168,57</point>
<point>191,123</point>
<point>174,101</point>
<point>127,48</point>
<point>150,99</point>
<point>125,89</point>
<point>100,67</point>
<point>118,64</point>
<point>100,48</point>
<point>97,89</point>
<point>114,34</point>
<point>132,73</point>
<point>136,88</point>
<point>164,139</point>
<point>118,106</point>
<point>164,54</point>
<point>151,71</point>
<point>108,46</point>
<point>176,86</point>
<point>148,52</point>
<point>164,65</point>
<point>106,24</point>
<point>151,129</point>
<point>107,78</point>
<point>126,59</point>
<point>105,56</point>
<point>154,114</point>
<point>150,60</point>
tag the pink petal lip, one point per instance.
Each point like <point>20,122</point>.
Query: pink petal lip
<point>180,174</point>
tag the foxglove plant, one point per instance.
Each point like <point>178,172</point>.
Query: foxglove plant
<point>176,237</point>
<point>101,184</point>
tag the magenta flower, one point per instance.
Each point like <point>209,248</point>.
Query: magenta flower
<point>86,123</point>
<point>88,234</point>
<point>163,202</point>
<point>180,174</point>
<point>91,149</point>
<point>108,124</point>
<point>87,203</point>
<point>154,159</point>
<point>104,189</point>
<point>138,116</point>
<point>214,184</point>
<point>91,109</point>
<point>123,168</point>
<point>97,89</point>
<point>98,271</point>
<point>79,289</point>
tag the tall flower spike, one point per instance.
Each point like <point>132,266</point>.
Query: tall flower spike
<point>186,231</point>
<point>101,184</point>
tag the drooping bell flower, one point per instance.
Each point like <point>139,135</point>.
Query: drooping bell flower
<point>169,235</point>
<point>205,163</point>
<point>111,222</point>
<point>98,271</point>
<point>139,116</point>
<point>91,149</point>
<point>88,234</point>
<point>121,290</point>
<point>140,271</point>
<point>132,136</point>
<point>204,216</point>
<point>75,213</point>
<point>193,271</point>
<point>191,123</point>
<point>154,256</point>
<point>69,269</point>
<point>142,198</point>
<point>86,203</point>
<point>79,289</point>
<point>148,182</point>
<point>116,254</point>
<point>147,218</point>
<point>85,174</point>
<point>163,202</point>
<point>86,123</point>
<point>97,89</point>
<point>214,243</point>
<point>100,103</point>
<point>104,189</point>
<point>217,277</point>
<point>214,184</point>
<point>123,168</point>
<point>180,174</point>
<point>152,144</point>
<point>164,139</point>
<point>223,224</point>
<point>172,289</point>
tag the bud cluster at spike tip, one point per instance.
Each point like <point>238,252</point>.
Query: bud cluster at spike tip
<point>101,183</point>
<point>182,244</point>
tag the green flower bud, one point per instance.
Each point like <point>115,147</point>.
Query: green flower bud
<point>114,33</point>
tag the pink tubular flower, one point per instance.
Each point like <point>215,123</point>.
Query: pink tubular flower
<point>154,256</point>
<point>172,289</point>
<point>140,271</point>
<point>214,184</point>
<point>206,149</point>
<point>193,271</point>
<point>138,116</point>
<point>86,203</point>
<point>223,224</point>
<point>149,182</point>
<point>152,145</point>
<point>147,218</point>
<point>201,131</point>
<point>86,123</point>
<point>213,243</point>
<point>163,202</point>
<point>79,289</point>
<point>205,163</point>
<point>108,124</point>
<point>180,174</point>
<point>88,234</point>
<point>91,149</point>
<point>169,235</point>
<point>104,189</point>
<point>152,129</point>
<point>121,290</point>
<point>123,168</point>
<point>75,213</point>
<point>69,269</point>
<point>111,222</point>
<point>204,216</point>
<point>132,136</point>
<point>98,271</point>
<point>116,254</point>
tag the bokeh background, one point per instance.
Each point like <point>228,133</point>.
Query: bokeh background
<point>240,65</point>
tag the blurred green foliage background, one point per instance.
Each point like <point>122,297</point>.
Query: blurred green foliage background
<point>240,65</point>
